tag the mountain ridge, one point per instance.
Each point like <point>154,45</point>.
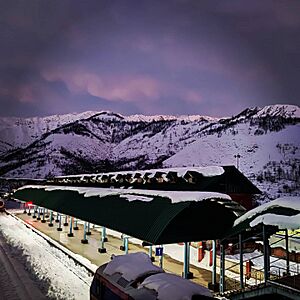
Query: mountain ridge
<point>105,141</point>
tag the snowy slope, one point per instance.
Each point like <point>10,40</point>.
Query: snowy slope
<point>23,131</point>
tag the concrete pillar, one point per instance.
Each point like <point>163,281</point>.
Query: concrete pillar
<point>214,266</point>
<point>43,220</point>
<point>126,245</point>
<point>70,234</point>
<point>122,247</point>
<point>266,254</point>
<point>222,268</point>
<point>88,232</point>
<point>104,234</point>
<point>66,221</point>
<point>57,217</point>
<point>84,240</point>
<point>39,213</point>
<point>34,212</point>
<point>287,252</point>
<point>150,253</point>
<point>75,224</point>
<point>59,224</point>
<point>102,248</point>
<point>161,258</point>
<point>51,219</point>
<point>186,263</point>
<point>241,262</point>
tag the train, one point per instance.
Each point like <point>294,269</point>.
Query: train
<point>134,277</point>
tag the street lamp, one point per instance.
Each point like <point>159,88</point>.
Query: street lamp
<point>237,156</point>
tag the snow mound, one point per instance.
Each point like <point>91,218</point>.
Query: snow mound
<point>131,266</point>
<point>170,286</point>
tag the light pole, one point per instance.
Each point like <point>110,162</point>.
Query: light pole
<point>237,156</point>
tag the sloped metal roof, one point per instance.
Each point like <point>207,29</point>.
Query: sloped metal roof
<point>216,179</point>
<point>157,217</point>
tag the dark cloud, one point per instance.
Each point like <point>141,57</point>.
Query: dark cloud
<point>151,57</point>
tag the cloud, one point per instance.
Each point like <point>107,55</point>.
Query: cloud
<point>111,87</point>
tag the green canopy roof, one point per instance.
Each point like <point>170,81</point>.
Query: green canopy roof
<point>157,217</point>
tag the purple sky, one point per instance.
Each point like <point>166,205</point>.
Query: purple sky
<point>152,57</point>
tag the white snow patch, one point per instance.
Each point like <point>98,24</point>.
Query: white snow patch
<point>277,265</point>
<point>171,286</point>
<point>287,202</point>
<point>283,222</point>
<point>131,266</point>
<point>66,280</point>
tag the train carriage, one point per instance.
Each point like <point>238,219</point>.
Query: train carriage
<point>135,277</point>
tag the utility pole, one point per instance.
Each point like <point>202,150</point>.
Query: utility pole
<point>237,156</point>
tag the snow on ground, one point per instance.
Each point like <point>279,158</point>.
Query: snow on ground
<point>277,265</point>
<point>58,274</point>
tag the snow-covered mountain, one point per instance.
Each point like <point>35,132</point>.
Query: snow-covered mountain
<point>267,139</point>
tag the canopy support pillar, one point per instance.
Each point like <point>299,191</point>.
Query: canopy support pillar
<point>39,213</point>
<point>88,232</point>
<point>59,224</point>
<point>104,234</point>
<point>76,224</point>
<point>150,253</point>
<point>186,264</point>
<point>84,240</point>
<point>287,252</point>
<point>66,221</point>
<point>222,268</point>
<point>103,239</point>
<point>70,234</point>
<point>44,213</point>
<point>34,212</point>
<point>126,245</point>
<point>241,261</point>
<point>266,254</point>
<point>161,257</point>
<point>214,266</point>
<point>51,219</point>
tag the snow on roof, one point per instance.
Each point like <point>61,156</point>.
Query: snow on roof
<point>170,286</point>
<point>283,222</point>
<point>209,171</point>
<point>285,202</point>
<point>134,194</point>
<point>131,266</point>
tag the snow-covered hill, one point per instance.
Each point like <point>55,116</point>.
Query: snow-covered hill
<point>267,140</point>
<point>20,132</point>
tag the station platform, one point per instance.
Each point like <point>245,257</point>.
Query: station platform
<point>90,250</point>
